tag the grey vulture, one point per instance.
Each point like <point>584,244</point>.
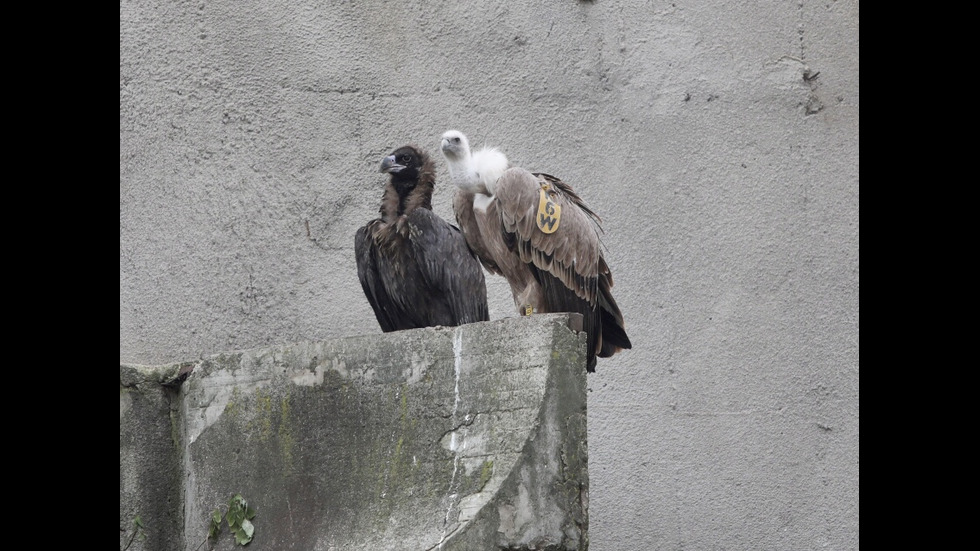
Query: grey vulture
<point>415,268</point>
<point>536,232</point>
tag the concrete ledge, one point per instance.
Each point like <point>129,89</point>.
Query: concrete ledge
<point>461,438</point>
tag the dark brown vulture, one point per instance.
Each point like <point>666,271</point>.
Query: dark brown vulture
<point>415,268</point>
<point>534,230</point>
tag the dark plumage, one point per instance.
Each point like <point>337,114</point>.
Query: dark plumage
<point>415,268</point>
<point>534,230</point>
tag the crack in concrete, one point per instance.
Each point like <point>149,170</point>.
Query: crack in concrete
<point>451,496</point>
<point>468,420</point>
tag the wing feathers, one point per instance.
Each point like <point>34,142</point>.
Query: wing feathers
<point>418,272</point>
<point>370,278</point>
<point>447,266</point>
<point>572,252</point>
<point>463,207</point>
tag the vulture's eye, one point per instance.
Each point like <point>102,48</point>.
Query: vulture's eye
<point>406,159</point>
<point>456,140</point>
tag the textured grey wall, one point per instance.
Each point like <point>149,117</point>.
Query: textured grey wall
<point>718,140</point>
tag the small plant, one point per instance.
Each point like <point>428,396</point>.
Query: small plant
<point>138,530</point>
<point>238,516</point>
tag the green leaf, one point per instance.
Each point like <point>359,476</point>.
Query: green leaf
<point>138,522</point>
<point>237,516</point>
<point>215,525</point>
<point>248,528</point>
<point>244,535</point>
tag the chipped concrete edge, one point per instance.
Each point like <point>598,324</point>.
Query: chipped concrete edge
<point>543,503</point>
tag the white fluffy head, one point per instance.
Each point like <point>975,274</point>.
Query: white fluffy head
<point>455,148</point>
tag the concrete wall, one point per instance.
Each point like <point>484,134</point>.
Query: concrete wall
<point>461,438</point>
<point>718,140</point>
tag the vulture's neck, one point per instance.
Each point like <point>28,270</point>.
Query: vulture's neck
<point>402,197</point>
<point>464,175</point>
<point>400,200</point>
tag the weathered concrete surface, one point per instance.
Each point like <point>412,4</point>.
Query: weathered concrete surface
<point>150,456</point>
<point>442,438</point>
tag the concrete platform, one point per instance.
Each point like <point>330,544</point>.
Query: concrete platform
<point>459,438</point>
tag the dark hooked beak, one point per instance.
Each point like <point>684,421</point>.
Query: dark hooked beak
<point>388,164</point>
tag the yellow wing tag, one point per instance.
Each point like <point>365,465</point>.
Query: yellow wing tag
<point>549,213</point>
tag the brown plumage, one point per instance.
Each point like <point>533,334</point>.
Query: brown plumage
<point>506,218</point>
<point>414,267</point>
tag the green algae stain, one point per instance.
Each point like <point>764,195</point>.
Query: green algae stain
<point>485,473</point>
<point>394,470</point>
<point>263,411</point>
<point>285,433</point>
<point>259,424</point>
<point>232,407</point>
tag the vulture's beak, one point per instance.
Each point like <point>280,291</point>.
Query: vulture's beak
<point>389,165</point>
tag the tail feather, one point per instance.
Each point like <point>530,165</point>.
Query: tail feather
<point>614,337</point>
